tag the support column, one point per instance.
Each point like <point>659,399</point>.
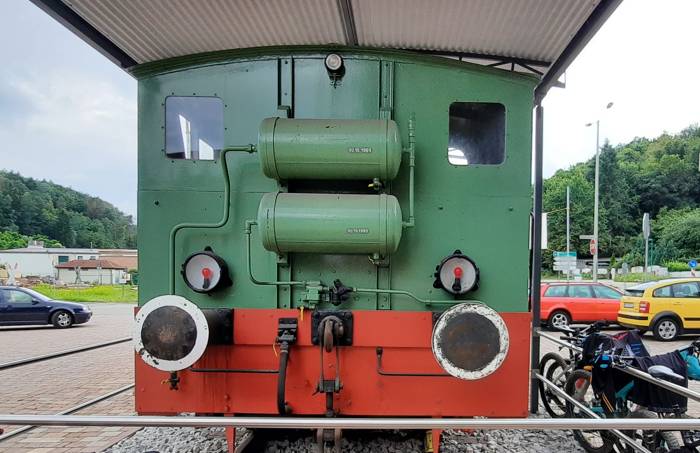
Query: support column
<point>536,265</point>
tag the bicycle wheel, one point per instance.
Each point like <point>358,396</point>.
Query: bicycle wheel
<point>578,386</point>
<point>555,368</point>
<point>653,440</point>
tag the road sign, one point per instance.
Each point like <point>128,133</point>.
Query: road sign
<point>693,264</point>
<point>564,261</point>
<point>593,247</point>
<point>646,226</point>
<point>586,236</point>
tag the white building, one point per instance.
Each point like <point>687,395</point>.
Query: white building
<point>37,261</point>
<point>96,272</point>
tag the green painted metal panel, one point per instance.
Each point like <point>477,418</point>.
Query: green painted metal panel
<point>482,210</point>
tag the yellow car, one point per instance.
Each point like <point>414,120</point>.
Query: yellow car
<point>668,308</point>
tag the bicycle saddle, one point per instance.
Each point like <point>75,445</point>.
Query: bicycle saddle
<point>665,373</point>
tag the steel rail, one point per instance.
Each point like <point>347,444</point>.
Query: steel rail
<point>71,410</point>
<point>41,358</point>
<point>666,424</point>
<point>626,439</point>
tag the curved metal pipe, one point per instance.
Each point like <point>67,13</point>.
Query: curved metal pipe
<point>224,217</point>
<point>282,406</point>
<point>248,233</point>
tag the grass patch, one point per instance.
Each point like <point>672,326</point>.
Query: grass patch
<point>103,293</point>
<point>638,277</point>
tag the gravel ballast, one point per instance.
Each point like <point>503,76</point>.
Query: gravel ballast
<point>212,440</point>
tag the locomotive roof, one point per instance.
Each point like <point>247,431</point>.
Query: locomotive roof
<point>540,37</point>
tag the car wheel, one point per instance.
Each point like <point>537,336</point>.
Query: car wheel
<point>62,319</point>
<point>666,329</point>
<point>559,319</point>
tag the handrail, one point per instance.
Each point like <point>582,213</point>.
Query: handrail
<point>680,390</point>
<point>70,410</point>
<point>558,341</point>
<point>675,388</point>
<point>590,413</point>
<point>664,424</point>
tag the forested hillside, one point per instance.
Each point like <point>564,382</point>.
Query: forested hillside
<point>659,176</point>
<point>40,209</point>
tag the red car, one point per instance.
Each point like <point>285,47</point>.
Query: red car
<point>566,303</point>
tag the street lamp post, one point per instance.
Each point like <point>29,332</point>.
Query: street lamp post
<point>596,194</point>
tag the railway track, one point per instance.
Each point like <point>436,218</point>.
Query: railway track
<point>59,354</point>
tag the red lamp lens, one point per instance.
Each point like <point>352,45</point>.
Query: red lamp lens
<point>206,272</point>
<point>458,272</point>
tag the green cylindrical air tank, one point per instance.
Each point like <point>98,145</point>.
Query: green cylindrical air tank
<point>329,149</point>
<point>330,223</point>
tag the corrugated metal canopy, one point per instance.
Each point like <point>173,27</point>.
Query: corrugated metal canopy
<point>532,34</point>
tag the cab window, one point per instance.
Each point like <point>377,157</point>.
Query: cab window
<point>15,297</point>
<point>603,292</point>
<point>683,290</point>
<point>582,291</point>
<point>555,291</point>
<point>664,291</point>
<point>477,133</point>
<point>194,127</point>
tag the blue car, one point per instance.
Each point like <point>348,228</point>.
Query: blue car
<point>23,306</point>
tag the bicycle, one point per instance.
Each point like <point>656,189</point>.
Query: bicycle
<point>612,393</point>
<point>555,368</point>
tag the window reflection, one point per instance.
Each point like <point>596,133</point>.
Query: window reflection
<point>194,127</point>
<point>477,133</point>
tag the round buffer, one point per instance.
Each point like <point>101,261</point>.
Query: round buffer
<point>470,341</point>
<point>170,333</point>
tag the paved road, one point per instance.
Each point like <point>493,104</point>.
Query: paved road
<point>55,385</point>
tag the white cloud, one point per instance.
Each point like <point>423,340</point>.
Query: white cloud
<point>644,60</point>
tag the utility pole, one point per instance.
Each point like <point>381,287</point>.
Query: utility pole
<point>568,227</point>
<point>646,231</point>
<point>595,201</point>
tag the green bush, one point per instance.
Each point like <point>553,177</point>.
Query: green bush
<point>677,266</point>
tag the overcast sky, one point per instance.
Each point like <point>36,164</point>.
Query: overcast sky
<point>67,114</point>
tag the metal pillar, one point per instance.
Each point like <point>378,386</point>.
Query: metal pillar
<point>536,265</point>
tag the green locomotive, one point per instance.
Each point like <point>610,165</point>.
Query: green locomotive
<point>337,229</point>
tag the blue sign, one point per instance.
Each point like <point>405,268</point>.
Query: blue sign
<point>693,264</point>
<point>564,254</point>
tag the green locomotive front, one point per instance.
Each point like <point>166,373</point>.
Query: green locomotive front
<point>333,231</point>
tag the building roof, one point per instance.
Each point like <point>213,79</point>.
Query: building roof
<point>56,251</point>
<point>89,264</point>
<point>537,36</point>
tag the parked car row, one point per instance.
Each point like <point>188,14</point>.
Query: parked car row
<point>668,308</point>
<point>24,306</point>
